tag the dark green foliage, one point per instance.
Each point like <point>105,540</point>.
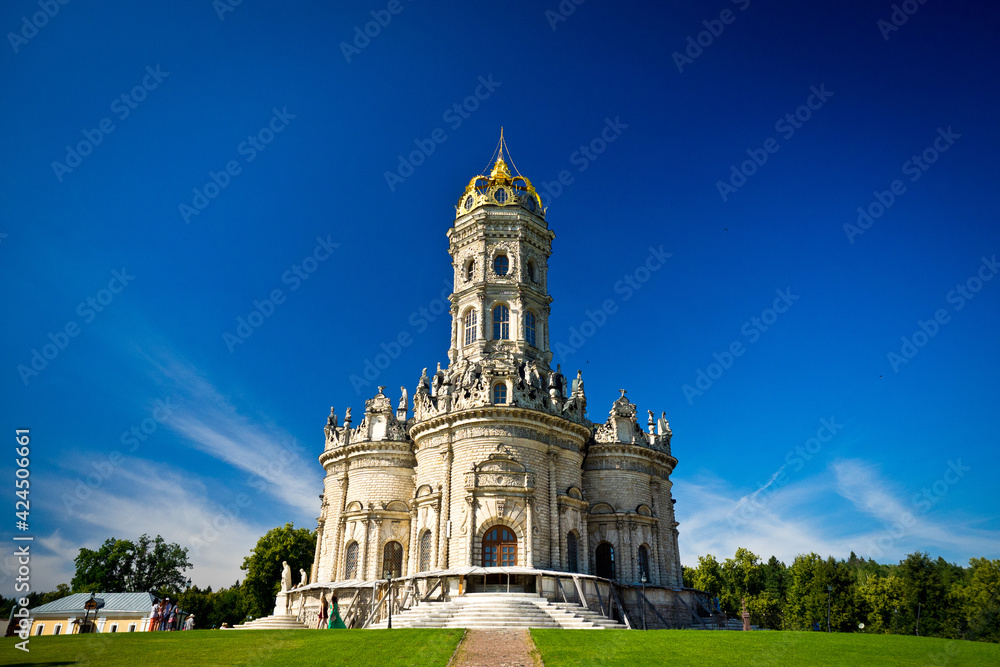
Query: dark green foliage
<point>121,566</point>
<point>953,602</point>
<point>263,565</point>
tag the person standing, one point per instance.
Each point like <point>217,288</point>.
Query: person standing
<point>172,619</point>
<point>154,615</point>
<point>165,612</point>
<point>335,621</point>
<point>323,613</point>
<point>189,623</point>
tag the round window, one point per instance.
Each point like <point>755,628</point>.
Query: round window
<point>500,195</point>
<point>468,202</point>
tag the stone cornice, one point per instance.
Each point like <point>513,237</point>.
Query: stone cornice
<point>388,449</point>
<point>620,450</point>
<point>496,415</point>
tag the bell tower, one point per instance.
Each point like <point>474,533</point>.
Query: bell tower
<point>500,245</point>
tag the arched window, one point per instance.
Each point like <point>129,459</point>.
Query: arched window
<point>500,394</point>
<point>470,327</point>
<point>644,564</point>
<point>529,328</point>
<point>392,559</point>
<point>351,561</point>
<point>470,269</point>
<point>531,271</point>
<point>501,323</point>
<point>605,560</point>
<point>501,265</point>
<point>425,551</point>
<point>571,561</point>
<point>499,547</point>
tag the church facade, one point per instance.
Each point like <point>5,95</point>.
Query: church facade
<point>494,463</point>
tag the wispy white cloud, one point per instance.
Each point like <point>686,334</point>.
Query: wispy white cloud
<point>212,424</point>
<point>142,496</point>
<point>912,520</point>
<point>879,519</point>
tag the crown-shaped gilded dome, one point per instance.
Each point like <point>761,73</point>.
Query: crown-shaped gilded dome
<point>500,187</point>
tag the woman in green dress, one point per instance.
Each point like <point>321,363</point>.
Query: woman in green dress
<point>336,623</point>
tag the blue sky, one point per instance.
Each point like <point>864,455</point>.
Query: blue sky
<point>168,165</point>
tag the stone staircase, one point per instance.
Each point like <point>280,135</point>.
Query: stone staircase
<point>274,622</point>
<point>499,610</point>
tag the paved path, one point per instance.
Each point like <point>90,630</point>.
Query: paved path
<point>497,648</point>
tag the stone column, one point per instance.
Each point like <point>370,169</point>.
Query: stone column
<point>456,335</point>
<point>529,555</point>
<point>555,562</point>
<point>583,549</point>
<point>435,559</point>
<point>655,553</point>
<point>471,543</point>
<point>481,325</point>
<point>448,456</point>
<point>366,522</point>
<point>413,562</point>
<point>320,536</point>
<point>338,551</point>
<point>619,568</point>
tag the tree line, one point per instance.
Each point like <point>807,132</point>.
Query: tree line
<point>919,595</point>
<point>155,566</point>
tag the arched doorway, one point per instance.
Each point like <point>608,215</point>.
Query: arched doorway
<point>499,547</point>
<point>605,560</point>
<point>392,559</point>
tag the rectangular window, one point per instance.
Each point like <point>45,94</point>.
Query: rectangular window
<point>39,629</point>
<point>56,630</point>
<point>114,627</point>
<point>131,628</point>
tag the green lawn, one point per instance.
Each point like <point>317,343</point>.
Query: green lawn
<point>560,648</point>
<point>390,648</point>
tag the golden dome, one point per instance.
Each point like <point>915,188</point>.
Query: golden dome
<point>500,188</point>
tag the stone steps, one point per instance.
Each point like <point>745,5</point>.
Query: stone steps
<point>274,622</point>
<point>499,610</point>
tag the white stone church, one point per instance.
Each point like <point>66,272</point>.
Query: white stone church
<point>497,464</point>
<point>493,475</point>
